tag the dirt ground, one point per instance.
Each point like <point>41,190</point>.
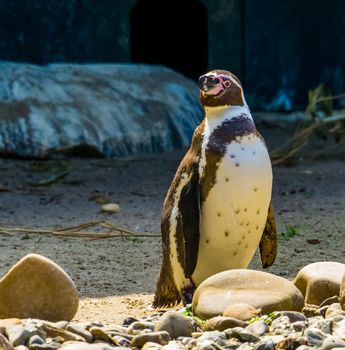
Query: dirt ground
<point>116,276</point>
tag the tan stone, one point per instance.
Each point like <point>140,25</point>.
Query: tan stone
<point>262,290</point>
<point>175,324</point>
<point>241,311</point>
<point>221,323</point>
<point>319,281</point>
<point>36,287</point>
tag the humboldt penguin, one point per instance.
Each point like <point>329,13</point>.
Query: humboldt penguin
<point>218,210</point>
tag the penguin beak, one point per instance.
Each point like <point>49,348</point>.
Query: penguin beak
<point>207,82</point>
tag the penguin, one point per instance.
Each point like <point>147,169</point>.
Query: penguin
<point>218,210</point>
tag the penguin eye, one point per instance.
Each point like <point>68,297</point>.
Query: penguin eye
<point>227,83</point>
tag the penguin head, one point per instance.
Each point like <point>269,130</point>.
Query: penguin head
<point>220,89</point>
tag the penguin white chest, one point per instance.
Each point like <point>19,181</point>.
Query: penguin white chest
<point>234,212</point>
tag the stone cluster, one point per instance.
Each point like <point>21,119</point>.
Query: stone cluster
<point>237,309</point>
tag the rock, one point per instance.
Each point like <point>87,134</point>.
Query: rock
<point>321,324</point>
<point>110,208</point>
<point>338,327</point>
<point>220,323</point>
<point>281,325</point>
<point>266,344</point>
<point>5,344</point>
<point>242,334</point>
<point>207,345</point>
<point>46,346</point>
<point>72,345</point>
<point>292,342</point>
<point>98,109</point>
<point>121,341</point>
<point>137,327</point>
<point>259,328</point>
<point>175,324</point>
<point>35,339</point>
<point>80,330</point>
<point>129,320</point>
<point>333,309</point>
<point>294,316</point>
<point>332,342</point>
<point>8,322</point>
<point>219,291</point>
<point>241,311</point>
<point>214,336</point>
<point>299,326</point>
<point>151,346</point>
<point>154,337</point>
<point>100,334</point>
<point>54,332</point>
<point>320,281</point>
<point>21,347</point>
<point>315,336</point>
<point>46,292</point>
<point>19,335</point>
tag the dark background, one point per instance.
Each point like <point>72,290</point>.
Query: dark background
<point>279,49</point>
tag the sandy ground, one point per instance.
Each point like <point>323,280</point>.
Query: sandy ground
<point>116,276</point>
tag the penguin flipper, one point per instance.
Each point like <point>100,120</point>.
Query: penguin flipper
<point>189,208</point>
<point>268,242</point>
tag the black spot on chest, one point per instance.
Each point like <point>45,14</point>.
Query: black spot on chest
<point>229,131</point>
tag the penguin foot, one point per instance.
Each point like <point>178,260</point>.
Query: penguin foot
<point>187,294</point>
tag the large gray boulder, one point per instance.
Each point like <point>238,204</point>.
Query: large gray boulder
<point>113,110</point>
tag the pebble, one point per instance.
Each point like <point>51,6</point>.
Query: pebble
<point>162,338</point>
<point>81,331</point>
<point>332,342</point>
<point>175,324</point>
<point>315,336</point>
<point>220,323</point>
<point>267,344</point>
<point>259,328</point>
<point>242,334</point>
<point>110,208</point>
<point>137,327</point>
<point>151,346</point>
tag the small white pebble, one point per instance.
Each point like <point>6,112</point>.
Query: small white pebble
<point>110,208</point>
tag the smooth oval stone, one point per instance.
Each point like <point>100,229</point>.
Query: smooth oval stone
<point>332,342</point>
<point>151,346</point>
<point>320,281</point>
<point>259,327</point>
<point>36,287</point>
<point>175,324</point>
<point>220,323</point>
<point>262,290</point>
<point>162,338</point>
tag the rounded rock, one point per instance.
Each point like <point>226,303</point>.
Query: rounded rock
<point>175,324</point>
<point>46,291</point>
<point>162,338</point>
<point>217,292</point>
<point>110,208</point>
<point>320,281</point>
<point>220,323</point>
